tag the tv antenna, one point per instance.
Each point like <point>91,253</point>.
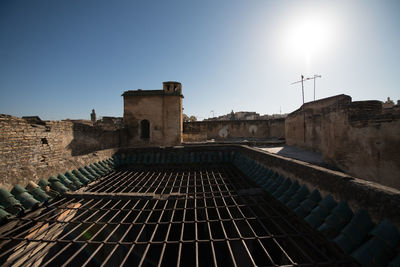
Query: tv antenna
<point>302,107</point>
<point>306,79</point>
<point>314,78</point>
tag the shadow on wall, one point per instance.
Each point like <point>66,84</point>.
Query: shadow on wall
<point>303,155</point>
<point>87,138</point>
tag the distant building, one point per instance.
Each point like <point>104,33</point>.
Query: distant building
<point>110,123</point>
<point>273,116</point>
<point>245,115</point>
<point>232,117</point>
<point>93,116</point>
<point>388,103</point>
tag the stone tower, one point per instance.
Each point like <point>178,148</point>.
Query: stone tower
<point>154,117</point>
<point>93,116</point>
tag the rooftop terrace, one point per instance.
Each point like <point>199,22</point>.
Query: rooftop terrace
<point>200,206</point>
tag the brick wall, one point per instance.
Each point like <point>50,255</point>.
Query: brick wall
<point>30,151</point>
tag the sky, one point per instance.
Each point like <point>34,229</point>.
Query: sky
<point>59,59</point>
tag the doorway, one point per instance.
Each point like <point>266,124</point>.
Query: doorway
<point>145,129</point>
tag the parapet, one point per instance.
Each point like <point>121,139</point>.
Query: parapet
<point>171,87</point>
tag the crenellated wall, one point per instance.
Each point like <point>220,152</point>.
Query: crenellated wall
<point>358,137</point>
<point>30,150</point>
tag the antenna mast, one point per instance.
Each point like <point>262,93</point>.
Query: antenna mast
<point>302,107</point>
<point>302,86</point>
<point>315,77</point>
<point>306,79</point>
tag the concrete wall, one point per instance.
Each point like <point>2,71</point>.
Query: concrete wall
<point>164,112</point>
<point>358,137</point>
<point>34,151</point>
<point>231,130</point>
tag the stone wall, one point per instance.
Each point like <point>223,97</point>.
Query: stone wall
<point>194,137</point>
<point>357,137</point>
<point>380,201</point>
<point>30,150</point>
<point>234,130</point>
<point>162,111</point>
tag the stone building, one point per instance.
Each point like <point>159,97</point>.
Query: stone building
<point>154,117</point>
<point>388,103</point>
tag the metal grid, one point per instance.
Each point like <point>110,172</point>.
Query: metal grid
<point>199,215</point>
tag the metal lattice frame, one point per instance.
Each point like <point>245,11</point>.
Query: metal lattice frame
<point>197,215</point>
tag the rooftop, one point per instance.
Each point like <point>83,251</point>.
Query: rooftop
<point>200,206</point>
<point>141,92</point>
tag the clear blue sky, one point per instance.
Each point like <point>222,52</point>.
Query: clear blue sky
<point>60,59</point>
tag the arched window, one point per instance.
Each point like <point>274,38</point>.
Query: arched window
<point>144,129</point>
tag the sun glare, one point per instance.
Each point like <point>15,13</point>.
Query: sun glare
<point>308,38</point>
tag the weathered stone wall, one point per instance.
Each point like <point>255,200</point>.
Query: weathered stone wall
<point>357,137</point>
<point>309,120</point>
<point>194,136</point>
<point>380,201</point>
<point>164,112</point>
<point>34,151</point>
<point>231,130</point>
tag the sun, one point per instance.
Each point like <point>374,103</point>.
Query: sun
<point>308,37</point>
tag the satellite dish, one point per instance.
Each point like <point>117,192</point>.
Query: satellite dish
<point>223,133</point>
